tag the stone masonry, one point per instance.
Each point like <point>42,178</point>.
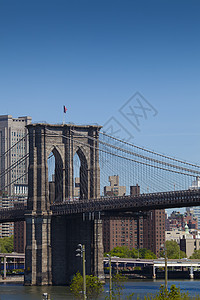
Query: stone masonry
<point>51,242</point>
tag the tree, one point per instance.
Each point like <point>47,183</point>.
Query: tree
<point>93,286</point>
<point>118,286</point>
<point>195,255</point>
<point>122,252</point>
<point>173,294</point>
<point>125,252</point>
<point>173,250</point>
<point>144,253</point>
<point>6,245</point>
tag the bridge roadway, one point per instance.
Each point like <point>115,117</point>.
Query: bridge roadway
<point>112,206</point>
<point>158,263</point>
<point>154,264</point>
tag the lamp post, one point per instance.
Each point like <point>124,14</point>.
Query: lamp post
<point>110,277</point>
<point>165,253</point>
<point>81,253</point>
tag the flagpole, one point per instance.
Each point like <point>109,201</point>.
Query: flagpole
<point>64,112</point>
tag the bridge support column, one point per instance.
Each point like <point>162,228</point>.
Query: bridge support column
<point>67,233</point>
<point>191,273</point>
<point>38,250</point>
<point>154,272</point>
<point>4,267</point>
<point>98,250</point>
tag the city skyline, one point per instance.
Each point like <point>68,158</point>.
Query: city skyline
<point>94,57</point>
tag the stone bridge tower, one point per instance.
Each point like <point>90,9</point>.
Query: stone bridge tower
<point>52,241</point>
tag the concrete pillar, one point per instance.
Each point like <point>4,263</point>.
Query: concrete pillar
<point>191,273</point>
<point>117,266</point>
<point>154,272</point>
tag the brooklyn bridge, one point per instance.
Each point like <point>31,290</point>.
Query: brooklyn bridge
<point>54,227</point>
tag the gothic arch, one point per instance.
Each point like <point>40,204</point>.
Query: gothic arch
<point>58,175</point>
<point>84,176</point>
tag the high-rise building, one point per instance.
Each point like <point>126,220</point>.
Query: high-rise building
<point>114,189</point>
<point>141,231</point>
<point>154,230</point>
<point>19,236</point>
<point>13,147</point>
<point>196,209</point>
<point>7,229</point>
<point>122,231</point>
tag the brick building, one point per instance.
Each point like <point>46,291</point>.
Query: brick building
<point>154,230</point>
<point>146,231</point>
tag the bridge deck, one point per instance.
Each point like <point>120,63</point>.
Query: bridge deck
<point>125,205</point>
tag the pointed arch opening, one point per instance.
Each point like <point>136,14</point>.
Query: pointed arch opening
<point>80,171</point>
<point>55,176</point>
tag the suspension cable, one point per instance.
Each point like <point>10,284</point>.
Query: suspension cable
<point>144,157</point>
<point>150,151</point>
<point>120,156</point>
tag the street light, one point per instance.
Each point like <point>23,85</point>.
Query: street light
<point>81,253</point>
<point>165,253</point>
<point>110,277</point>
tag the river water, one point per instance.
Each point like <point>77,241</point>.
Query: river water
<point>138,287</point>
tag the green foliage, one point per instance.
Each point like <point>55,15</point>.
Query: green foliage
<point>147,254</point>
<point>122,252</point>
<point>76,286</point>
<point>118,286</point>
<point>93,286</point>
<point>173,294</point>
<point>125,252</point>
<point>173,251</point>
<point>195,255</point>
<point>6,245</point>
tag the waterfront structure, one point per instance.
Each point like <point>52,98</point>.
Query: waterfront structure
<point>13,131</point>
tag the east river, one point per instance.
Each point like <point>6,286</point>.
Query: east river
<point>138,287</point>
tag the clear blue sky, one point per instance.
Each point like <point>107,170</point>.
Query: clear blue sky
<point>93,56</point>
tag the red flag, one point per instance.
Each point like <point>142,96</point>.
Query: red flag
<point>64,109</point>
